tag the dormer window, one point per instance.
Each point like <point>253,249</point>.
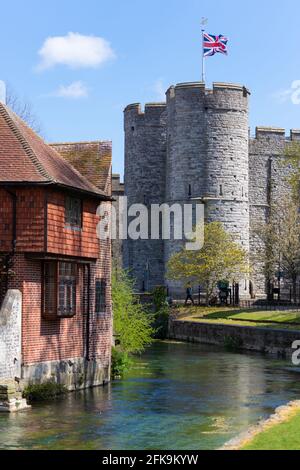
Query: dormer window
<point>73,212</point>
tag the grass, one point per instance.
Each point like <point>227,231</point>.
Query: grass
<point>281,319</point>
<point>284,436</point>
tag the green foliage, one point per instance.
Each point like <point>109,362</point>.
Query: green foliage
<point>159,296</point>
<point>132,323</point>
<point>120,363</point>
<point>44,392</point>
<point>233,344</point>
<point>162,313</point>
<point>161,323</point>
<point>220,258</point>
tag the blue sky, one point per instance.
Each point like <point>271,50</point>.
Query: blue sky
<point>144,47</point>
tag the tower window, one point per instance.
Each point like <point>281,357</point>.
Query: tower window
<point>221,190</point>
<point>190,190</point>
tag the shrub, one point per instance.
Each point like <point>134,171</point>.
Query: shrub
<point>162,312</point>
<point>120,363</point>
<point>132,322</point>
<point>44,392</point>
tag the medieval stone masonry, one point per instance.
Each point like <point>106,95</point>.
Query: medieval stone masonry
<point>197,147</point>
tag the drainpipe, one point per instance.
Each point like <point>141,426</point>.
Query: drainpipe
<point>88,314</point>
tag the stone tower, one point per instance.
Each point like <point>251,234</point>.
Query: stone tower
<point>193,147</point>
<point>207,155</point>
<point>145,176</point>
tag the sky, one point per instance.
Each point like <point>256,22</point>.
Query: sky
<point>79,63</point>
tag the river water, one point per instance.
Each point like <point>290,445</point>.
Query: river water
<point>177,397</point>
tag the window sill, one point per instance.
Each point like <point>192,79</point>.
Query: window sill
<point>73,228</point>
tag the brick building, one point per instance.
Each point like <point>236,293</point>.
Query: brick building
<point>50,252</point>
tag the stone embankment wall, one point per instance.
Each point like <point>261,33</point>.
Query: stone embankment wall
<point>265,340</point>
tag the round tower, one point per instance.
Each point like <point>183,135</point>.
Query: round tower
<point>145,174</point>
<point>207,157</point>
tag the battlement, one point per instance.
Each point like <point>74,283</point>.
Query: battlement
<point>117,186</point>
<point>151,115</point>
<point>227,96</point>
<point>137,108</point>
<point>276,133</point>
<point>201,86</point>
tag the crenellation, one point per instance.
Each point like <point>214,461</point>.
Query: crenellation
<point>295,135</point>
<point>269,132</point>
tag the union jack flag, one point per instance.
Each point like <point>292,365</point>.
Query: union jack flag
<point>214,44</point>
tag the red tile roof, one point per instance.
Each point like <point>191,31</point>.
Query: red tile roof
<point>25,158</point>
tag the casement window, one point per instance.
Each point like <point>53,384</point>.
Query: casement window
<point>73,212</point>
<point>59,290</point>
<point>100,301</point>
<point>67,281</point>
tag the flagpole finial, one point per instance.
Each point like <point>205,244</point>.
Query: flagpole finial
<point>204,22</point>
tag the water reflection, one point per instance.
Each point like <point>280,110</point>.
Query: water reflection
<point>177,396</point>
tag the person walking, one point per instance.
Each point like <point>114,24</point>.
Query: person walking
<point>189,295</point>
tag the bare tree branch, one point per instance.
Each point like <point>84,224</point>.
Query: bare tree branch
<point>23,109</point>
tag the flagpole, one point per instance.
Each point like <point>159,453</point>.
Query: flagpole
<point>203,23</point>
<point>203,58</point>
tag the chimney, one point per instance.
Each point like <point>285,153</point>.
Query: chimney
<point>2,92</point>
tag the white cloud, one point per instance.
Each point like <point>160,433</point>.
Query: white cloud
<point>75,90</point>
<point>160,89</point>
<point>75,50</point>
<point>291,94</point>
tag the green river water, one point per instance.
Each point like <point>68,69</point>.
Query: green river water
<point>177,397</point>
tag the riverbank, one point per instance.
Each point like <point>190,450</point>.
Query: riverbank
<point>279,432</point>
<point>264,332</point>
<point>281,318</point>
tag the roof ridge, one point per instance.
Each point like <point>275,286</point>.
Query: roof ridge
<point>27,148</point>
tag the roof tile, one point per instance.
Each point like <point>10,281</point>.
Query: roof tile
<point>26,158</point>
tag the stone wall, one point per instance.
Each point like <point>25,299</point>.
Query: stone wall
<point>268,184</point>
<point>74,374</point>
<point>264,340</point>
<point>145,165</point>
<point>10,335</point>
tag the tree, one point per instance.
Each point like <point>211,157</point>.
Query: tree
<point>280,250</point>
<point>221,258</point>
<point>132,323</point>
<point>23,109</point>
